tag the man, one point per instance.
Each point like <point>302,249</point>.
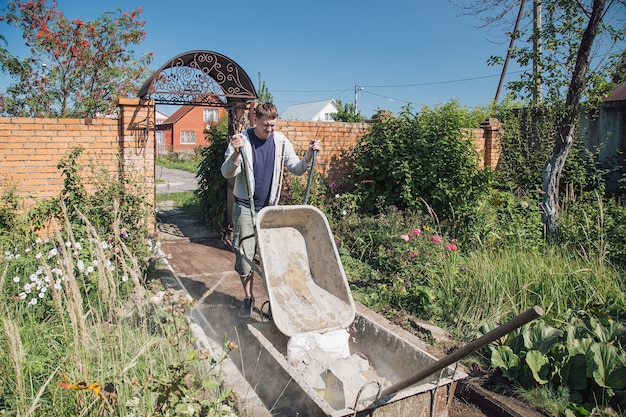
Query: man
<point>267,152</point>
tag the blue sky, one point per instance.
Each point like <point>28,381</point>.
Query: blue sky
<point>423,52</point>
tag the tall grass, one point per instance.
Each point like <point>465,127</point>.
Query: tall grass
<point>84,332</point>
<point>494,284</point>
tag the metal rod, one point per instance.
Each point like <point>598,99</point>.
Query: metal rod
<point>502,330</point>
<point>308,183</point>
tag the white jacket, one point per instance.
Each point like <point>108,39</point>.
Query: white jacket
<point>285,156</point>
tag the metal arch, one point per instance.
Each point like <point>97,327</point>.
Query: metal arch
<point>201,78</point>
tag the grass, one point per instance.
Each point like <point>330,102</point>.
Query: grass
<point>189,164</point>
<point>187,201</point>
<point>494,284</point>
<point>86,333</point>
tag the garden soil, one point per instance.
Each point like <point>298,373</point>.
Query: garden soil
<point>201,263</point>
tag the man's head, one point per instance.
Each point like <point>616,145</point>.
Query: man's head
<point>266,115</point>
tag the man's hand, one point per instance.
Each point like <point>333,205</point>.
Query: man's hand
<point>237,142</point>
<point>314,145</point>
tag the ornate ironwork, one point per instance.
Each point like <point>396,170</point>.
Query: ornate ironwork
<point>202,78</point>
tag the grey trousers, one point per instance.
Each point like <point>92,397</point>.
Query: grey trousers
<point>243,228</point>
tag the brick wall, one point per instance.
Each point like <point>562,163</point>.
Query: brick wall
<point>30,150</point>
<point>337,139</point>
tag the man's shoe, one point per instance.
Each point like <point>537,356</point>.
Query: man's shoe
<point>246,309</point>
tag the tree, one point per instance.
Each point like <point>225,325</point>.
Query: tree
<point>578,63</point>
<point>347,113</point>
<point>77,69</point>
<point>264,94</point>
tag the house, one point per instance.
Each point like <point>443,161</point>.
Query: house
<point>314,111</point>
<point>184,130</point>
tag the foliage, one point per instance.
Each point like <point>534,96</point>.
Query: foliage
<point>527,143</point>
<point>212,187</point>
<point>347,112</point>
<point>82,333</point>
<point>264,95</point>
<point>77,69</point>
<point>420,158</point>
<point>586,359</point>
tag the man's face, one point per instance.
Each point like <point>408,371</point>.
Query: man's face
<point>264,127</point>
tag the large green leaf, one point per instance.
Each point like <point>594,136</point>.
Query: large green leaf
<point>542,338</point>
<point>573,372</point>
<point>607,366</point>
<point>506,360</point>
<point>539,364</point>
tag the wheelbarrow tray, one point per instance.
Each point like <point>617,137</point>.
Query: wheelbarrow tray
<point>305,280</point>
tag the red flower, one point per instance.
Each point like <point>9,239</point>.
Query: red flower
<point>435,239</point>
<point>451,247</point>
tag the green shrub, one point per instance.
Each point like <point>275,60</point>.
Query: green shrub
<point>212,186</point>
<point>420,158</point>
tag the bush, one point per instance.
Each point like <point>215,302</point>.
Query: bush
<point>212,186</point>
<point>420,158</point>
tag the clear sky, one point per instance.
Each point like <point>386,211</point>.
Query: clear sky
<point>423,52</point>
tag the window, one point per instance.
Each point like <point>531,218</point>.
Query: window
<point>187,137</point>
<point>210,115</point>
<point>328,117</point>
<point>159,136</point>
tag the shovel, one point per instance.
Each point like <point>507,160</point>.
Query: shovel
<point>500,331</point>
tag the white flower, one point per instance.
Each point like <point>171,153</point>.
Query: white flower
<point>38,256</point>
<point>89,269</point>
<point>32,302</point>
<point>28,287</point>
<point>38,240</point>
<point>80,265</point>
<point>52,253</point>
<point>68,244</point>
<point>124,278</point>
<point>21,296</point>
<point>16,279</point>
<point>78,245</point>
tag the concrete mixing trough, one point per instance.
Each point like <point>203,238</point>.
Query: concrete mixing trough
<point>310,295</point>
<point>394,355</point>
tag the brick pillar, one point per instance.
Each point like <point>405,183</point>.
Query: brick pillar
<point>137,148</point>
<point>492,129</point>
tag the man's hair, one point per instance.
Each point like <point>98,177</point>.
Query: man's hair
<point>267,110</point>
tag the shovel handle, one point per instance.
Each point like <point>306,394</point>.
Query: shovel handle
<point>310,179</point>
<point>500,331</point>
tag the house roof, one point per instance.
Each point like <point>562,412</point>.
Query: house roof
<point>178,114</point>
<point>307,111</point>
<point>618,94</point>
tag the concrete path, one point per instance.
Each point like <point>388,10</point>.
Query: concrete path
<point>174,180</point>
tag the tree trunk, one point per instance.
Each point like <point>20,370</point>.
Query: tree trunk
<point>551,173</point>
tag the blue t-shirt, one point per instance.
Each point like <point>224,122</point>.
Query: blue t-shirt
<point>263,155</point>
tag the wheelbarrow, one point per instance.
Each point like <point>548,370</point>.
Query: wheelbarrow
<point>307,287</point>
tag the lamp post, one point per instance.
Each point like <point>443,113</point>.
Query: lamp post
<point>356,98</point>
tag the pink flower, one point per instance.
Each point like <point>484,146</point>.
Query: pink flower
<point>405,237</point>
<point>416,232</point>
<point>412,254</point>
<point>451,247</point>
<point>435,239</point>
